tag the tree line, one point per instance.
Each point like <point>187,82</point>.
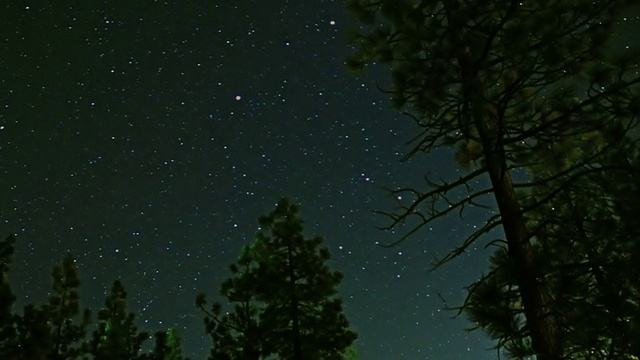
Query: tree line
<point>279,302</point>
<point>58,329</point>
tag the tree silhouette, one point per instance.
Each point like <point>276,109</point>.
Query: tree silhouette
<point>8,335</point>
<point>502,82</point>
<point>57,329</point>
<point>587,251</point>
<point>48,331</point>
<point>283,297</point>
<point>62,309</point>
<point>236,334</point>
<point>167,347</point>
<point>34,340</point>
<point>117,336</point>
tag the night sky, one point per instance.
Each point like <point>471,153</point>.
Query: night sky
<point>147,138</point>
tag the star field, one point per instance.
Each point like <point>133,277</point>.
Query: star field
<point>146,139</point>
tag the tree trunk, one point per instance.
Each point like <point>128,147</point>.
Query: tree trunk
<point>541,321</point>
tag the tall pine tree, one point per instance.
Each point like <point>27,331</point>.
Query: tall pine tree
<point>117,336</point>
<point>62,309</point>
<point>167,347</point>
<point>283,295</point>
<point>8,320</point>
<point>50,331</point>
<point>501,81</point>
<point>587,249</point>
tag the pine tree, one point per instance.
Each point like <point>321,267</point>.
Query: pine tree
<point>117,336</point>
<point>34,336</point>
<point>501,82</point>
<point>283,295</point>
<point>236,334</point>
<point>167,347</point>
<point>56,330</point>
<point>48,331</point>
<point>8,335</point>
<point>62,309</point>
<point>586,249</point>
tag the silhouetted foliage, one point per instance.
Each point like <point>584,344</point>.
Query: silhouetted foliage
<point>48,331</point>
<point>167,347</point>
<point>117,336</point>
<point>283,298</point>
<point>8,335</point>
<point>587,250</point>
<point>503,83</point>
<point>57,329</point>
<point>62,309</point>
<point>34,340</point>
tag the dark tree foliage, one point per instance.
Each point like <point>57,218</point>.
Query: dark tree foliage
<point>8,335</point>
<point>117,336</point>
<point>34,340</point>
<point>283,296</point>
<point>588,246</point>
<point>167,347</point>
<point>236,334</point>
<point>62,309</point>
<point>49,331</point>
<point>503,82</point>
<point>57,330</point>
<point>350,353</point>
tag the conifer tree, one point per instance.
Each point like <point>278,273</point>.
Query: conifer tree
<point>34,336</point>
<point>236,334</point>
<point>48,331</point>
<point>117,336</point>
<point>57,329</point>
<point>61,310</point>
<point>501,82</point>
<point>167,347</point>
<point>283,295</point>
<point>8,335</point>
<point>586,248</point>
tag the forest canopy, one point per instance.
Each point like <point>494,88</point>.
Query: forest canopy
<point>524,87</point>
